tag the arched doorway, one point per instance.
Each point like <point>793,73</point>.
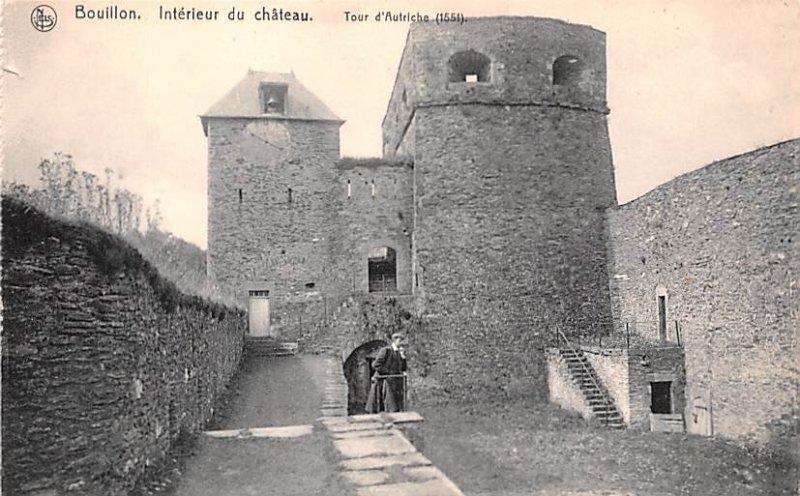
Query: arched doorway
<point>358,372</point>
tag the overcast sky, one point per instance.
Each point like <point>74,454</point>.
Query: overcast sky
<point>689,82</point>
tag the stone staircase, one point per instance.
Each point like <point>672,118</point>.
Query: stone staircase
<point>268,346</point>
<point>584,376</point>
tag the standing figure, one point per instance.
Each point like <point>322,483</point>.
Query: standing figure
<point>386,394</point>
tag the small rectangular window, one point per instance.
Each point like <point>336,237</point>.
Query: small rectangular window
<point>258,293</point>
<point>471,78</point>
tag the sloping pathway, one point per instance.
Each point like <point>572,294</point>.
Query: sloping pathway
<point>266,443</point>
<point>273,441</point>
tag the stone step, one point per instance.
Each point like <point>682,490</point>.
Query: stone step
<point>577,369</point>
<point>270,353</point>
<point>270,346</point>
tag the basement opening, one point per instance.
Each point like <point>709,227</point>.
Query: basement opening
<point>661,397</point>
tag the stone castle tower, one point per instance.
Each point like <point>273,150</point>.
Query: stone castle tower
<point>272,146</point>
<point>505,120</point>
<point>487,208</point>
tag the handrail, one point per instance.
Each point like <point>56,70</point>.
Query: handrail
<point>588,372</point>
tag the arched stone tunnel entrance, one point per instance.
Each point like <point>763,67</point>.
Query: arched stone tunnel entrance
<point>358,372</point>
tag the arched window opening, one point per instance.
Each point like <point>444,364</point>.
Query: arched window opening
<point>567,70</point>
<point>382,266</point>
<point>469,67</point>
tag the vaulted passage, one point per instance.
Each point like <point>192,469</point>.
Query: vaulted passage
<point>358,372</point>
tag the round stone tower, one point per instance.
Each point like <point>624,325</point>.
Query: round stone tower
<point>505,119</point>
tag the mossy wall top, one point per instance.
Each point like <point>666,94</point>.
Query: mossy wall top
<point>104,364</point>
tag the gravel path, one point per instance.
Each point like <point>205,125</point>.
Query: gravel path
<point>275,391</point>
<point>269,391</point>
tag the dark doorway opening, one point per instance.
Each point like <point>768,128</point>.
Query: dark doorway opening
<point>382,267</point>
<point>661,397</point>
<point>358,372</point>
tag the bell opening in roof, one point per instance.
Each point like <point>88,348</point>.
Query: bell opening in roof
<point>273,98</point>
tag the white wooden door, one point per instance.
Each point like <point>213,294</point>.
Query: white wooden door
<point>258,312</point>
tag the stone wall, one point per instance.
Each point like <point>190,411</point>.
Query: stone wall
<point>655,364</point>
<point>378,212</point>
<point>721,244</point>
<point>104,363</point>
<point>509,236</point>
<point>611,366</point>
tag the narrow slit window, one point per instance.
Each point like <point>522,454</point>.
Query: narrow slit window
<point>349,189</point>
<point>290,195</point>
<point>372,185</point>
<point>240,195</point>
<point>662,317</point>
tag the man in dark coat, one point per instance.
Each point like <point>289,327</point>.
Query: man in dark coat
<point>386,394</point>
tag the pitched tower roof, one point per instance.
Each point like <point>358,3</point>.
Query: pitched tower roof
<point>244,100</point>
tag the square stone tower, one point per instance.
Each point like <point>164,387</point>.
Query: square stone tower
<point>272,148</point>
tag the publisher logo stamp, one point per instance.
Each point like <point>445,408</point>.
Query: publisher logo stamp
<point>44,18</point>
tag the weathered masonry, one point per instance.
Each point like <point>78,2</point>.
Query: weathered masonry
<point>491,220</point>
<point>716,250</point>
<point>105,365</point>
<point>487,207</point>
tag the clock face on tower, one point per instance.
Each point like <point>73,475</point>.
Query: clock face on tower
<point>271,132</point>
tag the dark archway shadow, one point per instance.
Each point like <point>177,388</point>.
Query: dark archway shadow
<point>358,372</point>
